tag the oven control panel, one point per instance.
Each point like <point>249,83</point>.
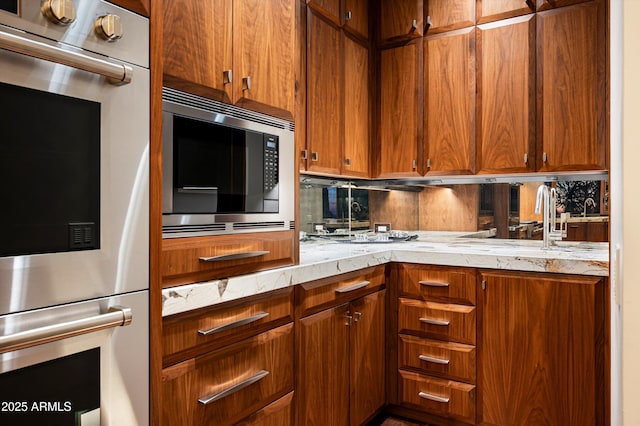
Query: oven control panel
<point>270,162</point>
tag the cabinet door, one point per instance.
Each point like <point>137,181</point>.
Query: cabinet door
<point>449,102</point>
<point>356,109</point>
<point>506,95</point>
<point>367,366</point>
<point>322,385</point>
<point>400,135</point>
<point>356,17</point>
<point>400,19</point>
<point>278,413</point>
<point>541,349</point>
<point>328,8</point>
<point>197,44</point>
<point>447,15</point>
<point>548,4</point>
<point>263,52</point>
<point>571,73</point>
<point>324,94</point>
<point>493,10</point>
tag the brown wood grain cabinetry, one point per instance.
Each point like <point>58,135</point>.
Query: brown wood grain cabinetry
<point>542,348</point>
<point>549,4</point>
<point>449,102</point>
<point>340,350</point>
<point>571,75</point>
<point>588,231</point>
<point>437,320</point>
<point>356,17</point>
<point>278,413</point>
<point>330,9</point>
<point>438,284</point>
<point>452,360</point>
<point>493,10</point>
<point>448,15</point>
<point>234,51</point>
<point>400,20</point>
<point>193,259</point>
<point>400,149</point>
<point>138,6</point>
<point>505,107</point>
<point>226,385</point>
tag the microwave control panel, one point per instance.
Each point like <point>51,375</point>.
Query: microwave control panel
<point>270,162</point>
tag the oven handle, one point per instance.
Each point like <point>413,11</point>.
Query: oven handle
<point>117,73</point>
<point>115,316</point>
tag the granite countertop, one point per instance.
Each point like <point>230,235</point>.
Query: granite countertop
<point>321,258</point>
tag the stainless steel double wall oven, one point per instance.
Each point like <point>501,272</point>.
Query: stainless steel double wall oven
<point>74,140</point>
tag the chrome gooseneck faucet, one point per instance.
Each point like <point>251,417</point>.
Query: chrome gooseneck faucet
<point>549,197</point>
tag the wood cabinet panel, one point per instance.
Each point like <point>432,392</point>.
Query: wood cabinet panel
<point>437,283</point>
<point>400,19</point>
<point>263,46</point>
<point>181,257</point>
<point>223,324</point>
<point>330,9</point>
<point>201,378</point>
<point>367,357</point>
<point>447,360</point>
<point>400,129</point>
<point>138,6</point>
<point>324,92</point>
<point>494,10</point>
<point>449,102</point>
<point>317,295</point>
<point>356,109</point>
<point>439,321</point>
<point>458,399</point>
<point>448,15</point>
<point>322,378</point>
<point>357,17</point>
<point>505,107</point>
<point>549,4</point>
<point>542,346</point>
<point>571,73</point>
<point>278,413</point>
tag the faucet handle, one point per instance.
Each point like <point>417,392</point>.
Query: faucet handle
<point>564,224</point>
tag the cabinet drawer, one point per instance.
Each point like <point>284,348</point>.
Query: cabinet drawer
<point>318,295</point>
<point>226,385</point>
<point>186,335</point>
<point>194,259</point>
<point>437,283</point>
<point>437,396</point>
<point>437,320</point>
<point>443,359</point>
<point>279,413</point>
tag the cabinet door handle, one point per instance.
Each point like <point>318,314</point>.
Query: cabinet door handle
<point>314,156</point>
<point>347,161</point>
<point>227,76</point>
<point>348,15</point>
<point>544,157</point>
<point>432,397</point>
<point>433,284</point>
<point>353,287</point>
<point>357,316</point>
<point>414,25</point>
<point>526,158</point>
<point>414,164</point>
<point>234,324</point>
<point>234,256</point>
<point>434,360</point>
<point>246,83</point>
<point>428,24</point>
<point>434,321</point>
<point>233,389</point>
<point>304,154</point>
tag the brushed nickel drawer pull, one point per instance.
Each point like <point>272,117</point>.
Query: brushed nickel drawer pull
<point>428,358</point>
<point>431,397</point>
<point>353,287</point>
<point>233,389</point>
<point>434,321</point>
<point>433,284</point>
<point>235,256</point>
<point>234,324</point>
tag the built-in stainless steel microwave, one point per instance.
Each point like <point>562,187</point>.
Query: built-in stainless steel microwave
<point>225,169</point>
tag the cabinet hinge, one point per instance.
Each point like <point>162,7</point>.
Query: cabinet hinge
<point>484,284</point>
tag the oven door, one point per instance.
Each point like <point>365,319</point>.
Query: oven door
<point>75,152</point>
<point>96,376</point>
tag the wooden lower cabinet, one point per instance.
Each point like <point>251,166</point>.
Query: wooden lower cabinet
<point>278,413</point>
<point>541,349</point>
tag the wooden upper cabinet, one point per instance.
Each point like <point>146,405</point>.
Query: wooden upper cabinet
<point>197,44</point>
<point>263,52</point>
<point>324,94</point>
<point>571,81</point>
<point>330,9</point>
<point>549,4</point>
<point>493,10</point>
<point>356,17</point>
<point>356,109</point>
<point>505,104</point>
<point>449,102</point>
<point>400,20</point>
<point>447,15</point>
<point>400,132</point>
<point>542,348</point>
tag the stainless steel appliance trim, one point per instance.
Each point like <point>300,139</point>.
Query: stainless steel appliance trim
<point>234,324</point>
<point>117,73</point>
<point>353,287</point>
<point>235,256</point>
<point>433,284</point>
<point>235,388</point>
<point>115,317</point>
<point>432,321</point>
